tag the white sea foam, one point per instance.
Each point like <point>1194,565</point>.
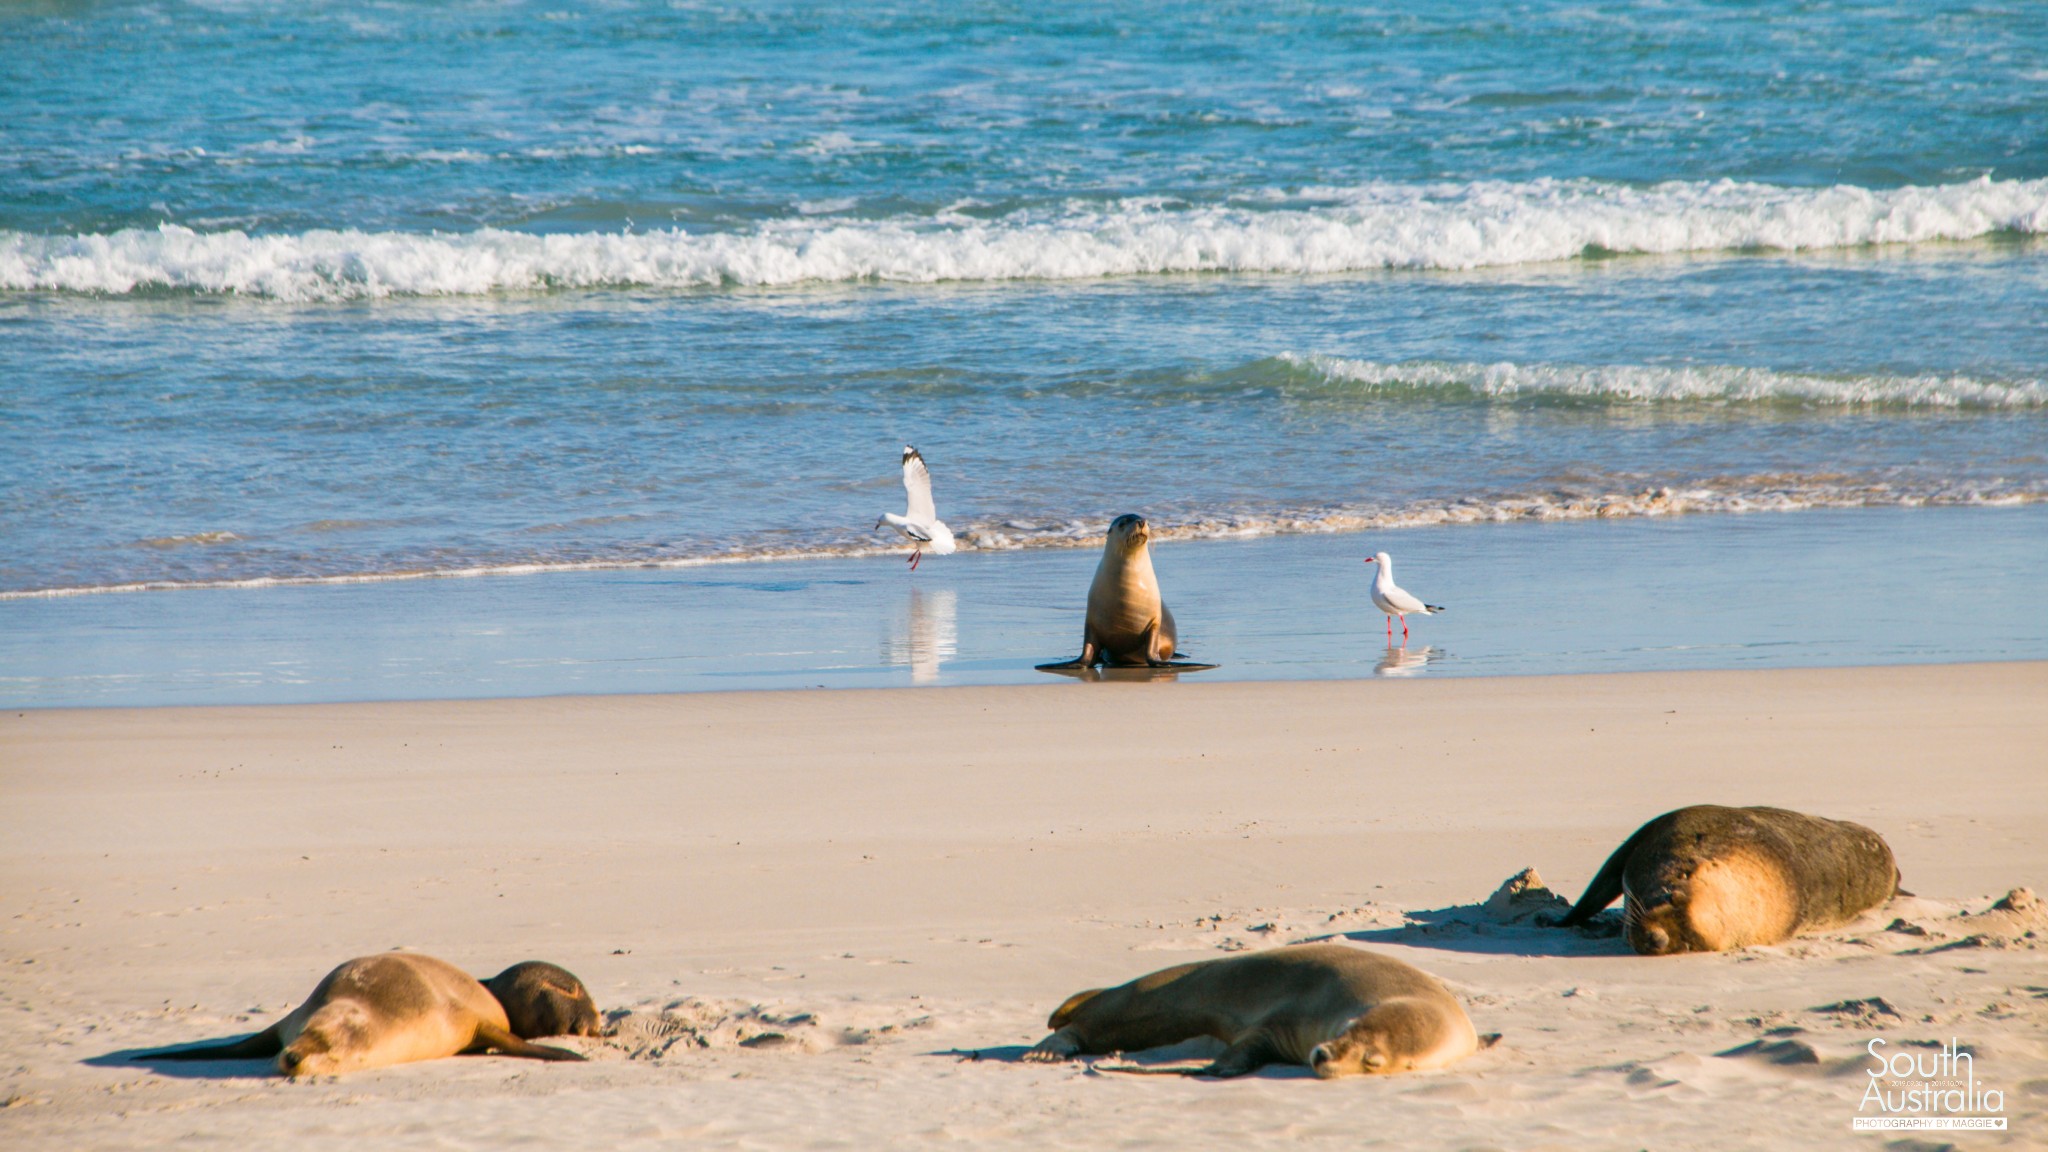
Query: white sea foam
<point>1742,494</point>
<point>1319,230</point>
<point>1707,383</point>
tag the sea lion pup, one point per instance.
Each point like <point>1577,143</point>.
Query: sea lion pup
<point>1340,1010</point>
<point>392,1008</point>
<point>1708,878</point>
<point>543,999</point>
<point>1128,625</point>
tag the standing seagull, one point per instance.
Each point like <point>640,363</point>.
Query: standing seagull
<point>1392,600</point>
<point>921,522</point>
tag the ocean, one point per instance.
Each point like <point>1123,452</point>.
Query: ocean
<point>618,307</point>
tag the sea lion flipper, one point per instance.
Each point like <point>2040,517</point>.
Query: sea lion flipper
<point>1091,654</point>
<point>498,1039</point>
<point>1248,1055</point>
<point>1605,887</point>
<point>266,1043</point>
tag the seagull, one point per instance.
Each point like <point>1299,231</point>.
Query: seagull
<point>1392,600</point>
<point>921,523</point>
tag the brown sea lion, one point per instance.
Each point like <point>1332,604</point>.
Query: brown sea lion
<point>374,1011</point>
<point>1128,624</point>
<point>1708,878</point>
<point>1341,1011</point>
<point>543,999</point>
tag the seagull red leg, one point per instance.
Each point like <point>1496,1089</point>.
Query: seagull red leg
<point>915,556</point>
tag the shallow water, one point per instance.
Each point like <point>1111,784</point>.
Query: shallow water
<point>1925,585</point>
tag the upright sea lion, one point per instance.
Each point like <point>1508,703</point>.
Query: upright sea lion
<point>1708,878</point>
<point>543,999</point>
<point>1340,1010</point>
<point>1128,624</point>
<point>392,1008</point>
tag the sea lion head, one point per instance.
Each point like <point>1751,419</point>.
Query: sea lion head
<point>1129,532</point>
<point>543,999</point>
<point>330,1045</point>
<point>1657,924</point>
<point>1371,1045</point>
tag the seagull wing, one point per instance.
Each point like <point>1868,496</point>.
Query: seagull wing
<point>917,480</point>
<point>1403,602</point>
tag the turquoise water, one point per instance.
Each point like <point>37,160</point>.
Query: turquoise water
<point>294,296</point>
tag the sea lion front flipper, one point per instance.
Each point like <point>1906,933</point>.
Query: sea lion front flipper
<point>1061,1045</point>
<point>1605,887</point>
<point>262,1045</point>
<point>498,1039</point>
<point>1090,653</point>
<point>1248,1055</point>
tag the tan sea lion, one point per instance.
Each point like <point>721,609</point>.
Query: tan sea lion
<point>1342,1011</point>
<point>543,999</point>
<point>1128,624</point>
<point>1708,878</point>
<point>374,1011</point>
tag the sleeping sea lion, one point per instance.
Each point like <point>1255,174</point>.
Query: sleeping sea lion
<point>1708,878</point>
<point>1128,624</point>
<point>1342,1011</point>
<point>373,1011</point>
<point>543,999</point>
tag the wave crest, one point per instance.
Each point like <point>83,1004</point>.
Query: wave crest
<point>1316,230</point>
<point>1707,383</point>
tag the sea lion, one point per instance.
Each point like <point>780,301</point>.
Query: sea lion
<point>1128,624</point>
<point>373,1011</point>
<point>1342,1011</point>
<point>1708,878</point>
<point>543,999</point>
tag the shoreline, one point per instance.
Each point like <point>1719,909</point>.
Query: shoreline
<point>1139,678</point>
<point>909,873</point>
<point>1649,503</point>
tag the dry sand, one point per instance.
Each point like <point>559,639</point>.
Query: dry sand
<point>806,908</point>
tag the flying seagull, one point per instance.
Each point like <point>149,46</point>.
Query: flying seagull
<point>921,523</point>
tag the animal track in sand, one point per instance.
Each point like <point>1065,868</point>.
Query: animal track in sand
<point>699,1024</point>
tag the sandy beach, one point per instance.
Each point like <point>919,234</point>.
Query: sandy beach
<point>833,919</point>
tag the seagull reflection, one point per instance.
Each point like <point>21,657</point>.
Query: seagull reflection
<point>1403,662</point>
<point>930,637</point>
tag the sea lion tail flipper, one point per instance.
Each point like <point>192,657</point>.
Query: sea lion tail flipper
<point>1488,1039</point>
<point>502,1040</point>
<point>263,1044</point>
<point>1065,1012</point>
<point>1606,884</point>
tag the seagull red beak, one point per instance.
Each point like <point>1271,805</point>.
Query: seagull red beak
<point>1370,559</point>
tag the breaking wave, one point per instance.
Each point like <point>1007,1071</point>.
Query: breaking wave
<point>1314,230</point>
<point>1708,383</point>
